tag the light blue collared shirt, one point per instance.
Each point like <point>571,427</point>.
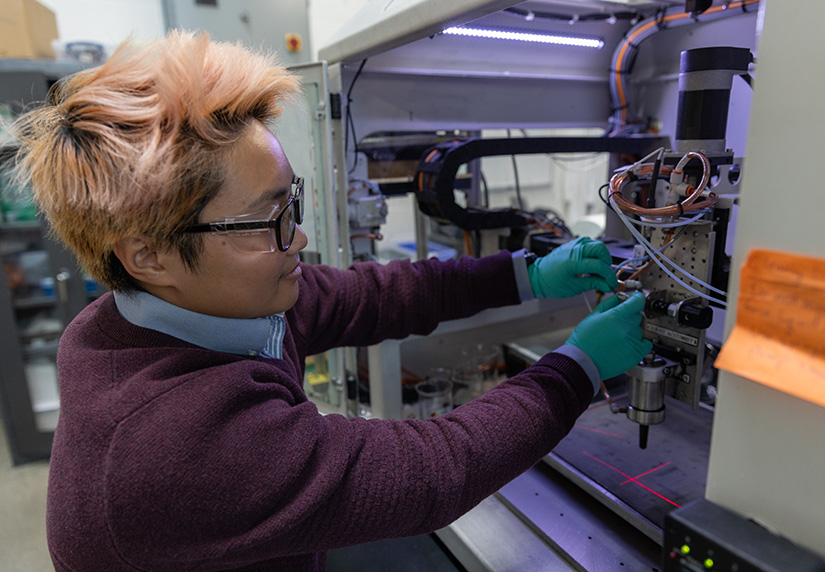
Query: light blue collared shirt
<point>252,337</point>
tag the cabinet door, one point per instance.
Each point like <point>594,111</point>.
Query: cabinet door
<point>41,290</point>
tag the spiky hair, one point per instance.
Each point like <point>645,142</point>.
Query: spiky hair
<point>136,147</point>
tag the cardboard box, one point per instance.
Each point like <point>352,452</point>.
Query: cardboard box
<point>27,29</point>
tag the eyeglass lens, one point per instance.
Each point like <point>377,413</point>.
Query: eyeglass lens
<point>291,217</point>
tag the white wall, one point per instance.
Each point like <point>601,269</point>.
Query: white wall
<point>111,21</point>
<point>327,17</point>
<point>107,22</point>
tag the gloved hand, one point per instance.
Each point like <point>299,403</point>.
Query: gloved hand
<point>578,266</point>
<point>612,335</point>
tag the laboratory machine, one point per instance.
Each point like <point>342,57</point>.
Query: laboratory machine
<point>683,134</point>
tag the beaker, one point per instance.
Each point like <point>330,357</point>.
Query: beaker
<point>486,358</point>
<point>435,397</point>
<point>468,383</point>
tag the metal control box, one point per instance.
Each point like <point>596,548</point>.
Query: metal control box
<point>703,536</point>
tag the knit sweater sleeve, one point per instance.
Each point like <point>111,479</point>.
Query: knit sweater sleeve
<point>174,457</point>
<point>213,475</point>
<point>369,302</point>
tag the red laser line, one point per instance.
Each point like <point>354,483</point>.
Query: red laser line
<point>631,478</point>
<point>647,473</point>
<point>601,432</point>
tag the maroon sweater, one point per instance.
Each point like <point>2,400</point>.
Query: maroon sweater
<point>168,456</point>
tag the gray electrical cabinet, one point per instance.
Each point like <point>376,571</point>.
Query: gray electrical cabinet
<point>281,26</point>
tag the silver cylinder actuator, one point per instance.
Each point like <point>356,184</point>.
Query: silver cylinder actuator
<point>646,403</point>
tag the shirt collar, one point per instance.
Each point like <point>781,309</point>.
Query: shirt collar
<point>255,336</point>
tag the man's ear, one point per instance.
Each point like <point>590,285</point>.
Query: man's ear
<point>142,261</point>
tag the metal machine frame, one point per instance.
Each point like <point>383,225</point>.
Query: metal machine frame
<point>415,80</point>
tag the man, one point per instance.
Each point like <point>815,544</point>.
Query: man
<point>185,441</point>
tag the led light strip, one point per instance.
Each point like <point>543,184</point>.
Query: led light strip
<point>578,41</point>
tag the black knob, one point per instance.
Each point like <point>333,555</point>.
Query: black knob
<point>695,316</point>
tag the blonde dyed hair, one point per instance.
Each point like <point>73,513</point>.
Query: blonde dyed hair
<point>137,146</point>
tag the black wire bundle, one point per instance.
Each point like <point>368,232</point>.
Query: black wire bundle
<point>349,123</point>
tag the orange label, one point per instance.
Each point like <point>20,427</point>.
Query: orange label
<point>779,336</point>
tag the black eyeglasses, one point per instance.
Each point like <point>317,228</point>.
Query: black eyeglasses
<point>262,231</point>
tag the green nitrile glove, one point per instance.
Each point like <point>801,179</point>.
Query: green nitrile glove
<point>612,335</point>
<point>573,268</point>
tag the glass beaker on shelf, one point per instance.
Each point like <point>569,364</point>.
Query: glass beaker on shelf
<point>486,359</point>
<point>468,383</point>
<point>435,395</point>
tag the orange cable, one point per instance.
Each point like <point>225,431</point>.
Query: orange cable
<point>467,244</point>
<point>629,40</point>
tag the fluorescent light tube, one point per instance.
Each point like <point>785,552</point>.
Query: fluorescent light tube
<point>557,39</point>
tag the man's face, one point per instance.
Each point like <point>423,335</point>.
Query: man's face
<point>231,282</point>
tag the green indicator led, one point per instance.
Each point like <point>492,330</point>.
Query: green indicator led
<point>685,549</point>
<point>708,563</point>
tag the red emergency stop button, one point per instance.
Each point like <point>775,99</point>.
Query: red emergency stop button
<point>294,42</point>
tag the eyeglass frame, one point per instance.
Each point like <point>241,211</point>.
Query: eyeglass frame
<point>273,223</point>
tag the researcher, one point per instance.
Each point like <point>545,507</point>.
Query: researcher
<point>185,439</point>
